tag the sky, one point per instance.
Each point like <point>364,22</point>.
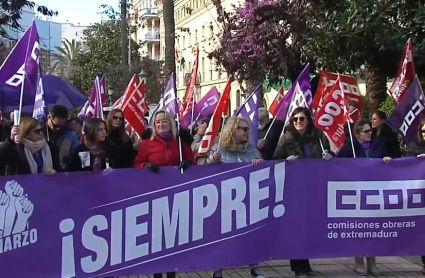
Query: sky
<point>77,11</point>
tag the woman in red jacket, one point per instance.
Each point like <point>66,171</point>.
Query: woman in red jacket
<point>162,149</point>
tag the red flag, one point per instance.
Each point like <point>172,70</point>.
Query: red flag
<point>192,82</point>
<point>276,101</point>
<point>213,128</point>
<point>333,116</point>
<point>406,73</point>
<point>181,109</point>
<point>135,107</point>
<point>348,84</point>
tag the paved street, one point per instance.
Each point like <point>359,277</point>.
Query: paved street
<point>332,268</point>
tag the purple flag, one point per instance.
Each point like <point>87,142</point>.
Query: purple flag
<point>22,63</point>
<point>249,110</point>
<point>168,99</point>
<point>103,90</point>
<point>40,109</point>
<point>132,222</point>
<point>304,82</point>
<point>95,109</point>
<point>298,100</point>
<point>202,109</point>
<point>409,112</point>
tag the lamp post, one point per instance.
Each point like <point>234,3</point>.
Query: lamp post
<point>110,94</point>
<point>143,75</point>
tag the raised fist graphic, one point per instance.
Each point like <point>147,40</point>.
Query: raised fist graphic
<point>14,190</point>
<point>4,203</point>
<point>24,207</point>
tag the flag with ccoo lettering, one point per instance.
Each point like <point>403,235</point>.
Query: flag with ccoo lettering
<point>40,109</point>
<point>409,112</point>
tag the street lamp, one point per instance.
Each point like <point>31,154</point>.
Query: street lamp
<point>143,75</point>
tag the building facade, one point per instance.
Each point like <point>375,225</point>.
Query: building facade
<point>75,32</point>
<point>197,27</point>
<point>50,35</point>
<point>145,13</point>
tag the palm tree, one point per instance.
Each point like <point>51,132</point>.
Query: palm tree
<point>124,36</point>
<point>169,28</point>
<point>65,54</point>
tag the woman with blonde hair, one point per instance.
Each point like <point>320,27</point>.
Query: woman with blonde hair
<point>121,148</point>
<point>162,149</point>
<point>235,146</point>
<point>32,154</point>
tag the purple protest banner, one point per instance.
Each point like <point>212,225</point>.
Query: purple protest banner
<point>409,112</point>
<point>40,109</point>
<point>303,80</point>
<point>249,110</point>
<point>133,222</point>
<point>21,64</point>
<point>87,108</point>
<point>168,100</point>
<point>203,108</point>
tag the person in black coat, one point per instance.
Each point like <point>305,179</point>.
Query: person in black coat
<point>121,149</point>
<point>383,133</point>
<point>364,146</point>
<point>92,155</point>
<point>32,154</point>
<point>268,145</point>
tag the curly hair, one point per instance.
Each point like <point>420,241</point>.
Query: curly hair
<point>228,139</point>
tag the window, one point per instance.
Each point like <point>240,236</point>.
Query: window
<point>211,70</point>
<point>203,67</point>
<point>184,42</point>
<point>203,33</point>
<point>238,98</point>
<point>196,36</point>
<point>190,40</point>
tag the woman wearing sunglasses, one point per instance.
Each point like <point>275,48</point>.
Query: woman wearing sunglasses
<point>302,140</point>
<point>235,146</point>
<point>364,147</point>
<point>32,154</point>
<point>121,148</point>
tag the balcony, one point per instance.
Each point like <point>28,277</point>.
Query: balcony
<point>148,12</point>
<point>151,36</point>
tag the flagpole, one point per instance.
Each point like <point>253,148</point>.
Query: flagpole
<point>223,118</point>
<point>193,111</point>
<point>178,129</point>
<point>99,96</point>
<point>351,137</point>
<point>24,75</point>
<point>270,127</point>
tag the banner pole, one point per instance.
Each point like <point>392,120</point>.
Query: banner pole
<point>221,129</point>
<point>270,127</point>
<point>351,137</point>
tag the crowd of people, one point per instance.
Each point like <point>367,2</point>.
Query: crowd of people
<point>71,145</point>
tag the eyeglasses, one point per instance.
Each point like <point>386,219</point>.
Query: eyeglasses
<point>366,131</point>
<point>244,128</point>
<point>296,119</point>
<point>116,118</point>
<point>37,131</point>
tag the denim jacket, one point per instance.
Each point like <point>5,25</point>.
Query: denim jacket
<point>245,153</point>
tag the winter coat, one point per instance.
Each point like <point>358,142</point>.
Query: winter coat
<point>293,144</point>
<point>13,160</point>
<point>377,149</point>
<point>162,153</point>
<point>245,153</point>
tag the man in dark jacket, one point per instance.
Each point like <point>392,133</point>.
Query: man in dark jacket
<point>60,134</point>
<point>267,145</point>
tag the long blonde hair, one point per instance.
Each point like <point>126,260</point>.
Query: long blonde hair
<point>170,119</point>
<point>228,140</point>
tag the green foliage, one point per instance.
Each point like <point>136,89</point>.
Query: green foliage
<point>103,57</point>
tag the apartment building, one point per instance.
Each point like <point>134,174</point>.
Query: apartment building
<point>197,26</point>
<point>147,34</point>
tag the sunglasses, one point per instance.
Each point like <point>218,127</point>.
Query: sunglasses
<point>246,129</point>
<point>116,118</point>
<point>296,119</point>
<point>423,131</point>
<point>37,131</point>
<point>366,131</point>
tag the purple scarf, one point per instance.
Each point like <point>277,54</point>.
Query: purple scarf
<point>166,136</point>
<point>366,148</point>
